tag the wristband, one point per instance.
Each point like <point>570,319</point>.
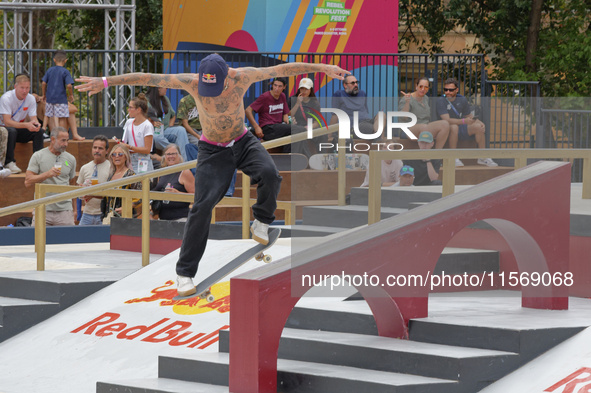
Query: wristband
<point>105,82</point>
<point>463,120</point>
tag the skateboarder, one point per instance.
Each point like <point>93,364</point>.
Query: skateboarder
<point>224,146</point>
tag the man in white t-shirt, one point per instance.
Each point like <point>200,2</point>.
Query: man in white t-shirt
<point>95,172</point>
<point>389,173</point>
<point>18,114</point>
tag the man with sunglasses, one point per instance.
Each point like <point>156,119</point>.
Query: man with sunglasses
<point>455,109</point>
<point>351,99</point>
<point>225,145</point>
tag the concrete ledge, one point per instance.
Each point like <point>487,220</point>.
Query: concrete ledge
<point>19,236</point>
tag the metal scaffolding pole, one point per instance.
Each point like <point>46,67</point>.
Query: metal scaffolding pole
<point>119,36</point>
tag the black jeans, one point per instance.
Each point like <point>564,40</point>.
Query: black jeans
<point>22,135</point>
<point>215,169</point>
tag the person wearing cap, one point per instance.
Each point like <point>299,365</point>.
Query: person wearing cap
<point>426,171</point>
<point>304,105</point>
<point>417,103</point>
<point>273,111</point>
<point>225,145</point>
<point>455,109</point>
<point>407,177</point>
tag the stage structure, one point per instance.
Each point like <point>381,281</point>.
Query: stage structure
<point>119,36</point>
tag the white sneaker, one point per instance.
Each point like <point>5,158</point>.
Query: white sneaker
<point>487,162</point>
<point>5,172</point>
<point>260,232</point>
<point>185,286</point>
<point>459,162</point>
<point>13,168</point>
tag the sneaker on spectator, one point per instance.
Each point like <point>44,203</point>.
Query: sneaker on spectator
<point>487,162</point>
<point>185,286</point>
<point>13,168</point>
<point>5,172</point>
<point>459,162</point>
<point>260,232</point>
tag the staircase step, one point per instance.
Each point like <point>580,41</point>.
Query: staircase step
<point>158,385</point>
<point>298,376</point>
<point>466,260</point>
<point>343,316</point>
<point>528,342</point>
<point>349,216</point>
<point>398,197</point>
<point>472,366</point>
<point>395,355</point>
<point>17,315</point>
<point>308,230</point>
<point>65,287</point>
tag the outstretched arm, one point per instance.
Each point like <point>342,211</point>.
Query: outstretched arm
<point>93,85</point>
<point>291,69</point>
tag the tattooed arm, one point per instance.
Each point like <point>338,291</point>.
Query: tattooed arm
<point>252,74</point>
<point>94,85</point>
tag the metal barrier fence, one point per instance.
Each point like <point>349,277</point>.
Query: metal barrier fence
<point>512,111</point>
<point>381,75</point>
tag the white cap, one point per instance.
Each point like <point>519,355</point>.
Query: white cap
<point>307,83</point>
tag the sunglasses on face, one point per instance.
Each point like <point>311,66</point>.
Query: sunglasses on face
<point>354,83</point>
<point>446,89</point>
<point>171,154</point>
<point>117,154</point>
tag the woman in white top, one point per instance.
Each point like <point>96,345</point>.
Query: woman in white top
<point>138,134</point>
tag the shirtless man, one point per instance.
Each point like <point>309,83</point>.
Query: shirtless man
<point>225,145</point>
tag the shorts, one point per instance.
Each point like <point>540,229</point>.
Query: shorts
<point>463,133</point>
<point>57,218</point>
<point>56,110</point>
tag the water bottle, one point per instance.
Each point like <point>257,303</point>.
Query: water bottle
<point>160,129</point>
<point>168,187</point>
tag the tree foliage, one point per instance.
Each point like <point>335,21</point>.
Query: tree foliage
<point>85,29</point>
<point>560,55</point>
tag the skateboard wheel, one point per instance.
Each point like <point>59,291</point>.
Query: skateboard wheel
<point>267,258</point>
<point>210,298</point>
<point>259,257</point>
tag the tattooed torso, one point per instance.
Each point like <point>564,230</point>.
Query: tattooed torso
<point>221,117</point>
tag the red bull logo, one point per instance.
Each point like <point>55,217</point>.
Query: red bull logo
<point>208,78</point>
<point>195,305</point>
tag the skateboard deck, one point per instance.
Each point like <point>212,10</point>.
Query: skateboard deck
<point>257,251</point>
<point>329,161</point>
<point>290,161</point>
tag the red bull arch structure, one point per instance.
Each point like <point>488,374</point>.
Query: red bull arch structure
<point>528,207</point>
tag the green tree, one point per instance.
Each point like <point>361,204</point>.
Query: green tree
<point>549,41</point>
<point>69,34</point>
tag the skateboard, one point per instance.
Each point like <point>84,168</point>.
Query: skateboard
<point>330,162</point>
<point>203,289</point>
<point>290,161</point>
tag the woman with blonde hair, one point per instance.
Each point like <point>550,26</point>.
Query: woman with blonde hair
<point>179,182</point>
<point>138,134</point>
<point>120,167</point>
